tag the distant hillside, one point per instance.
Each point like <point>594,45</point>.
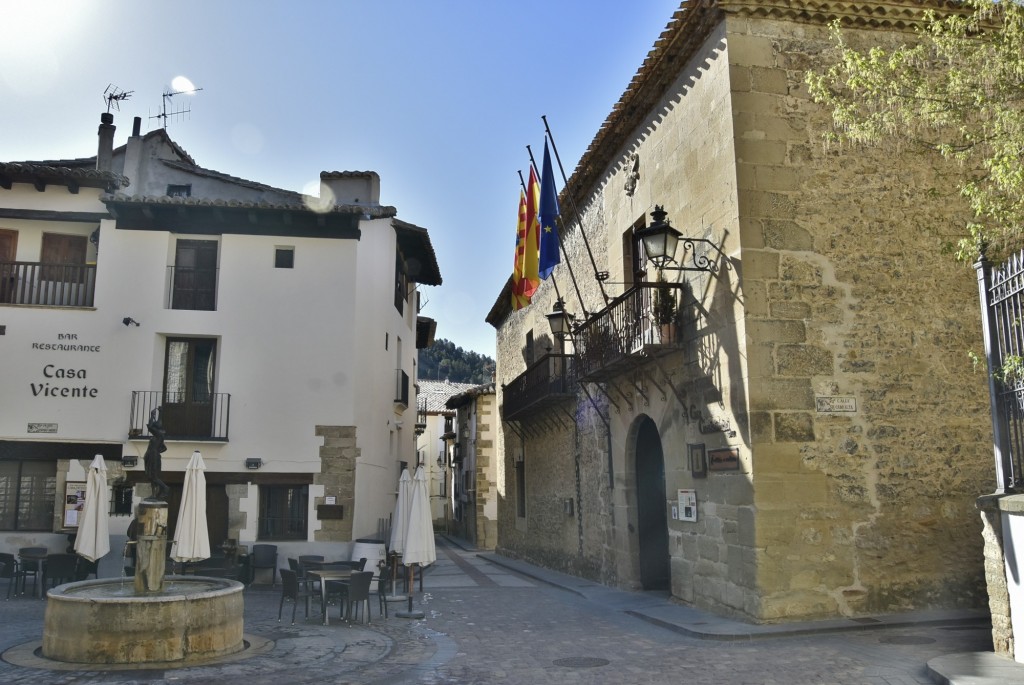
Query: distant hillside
<point>444,361</point>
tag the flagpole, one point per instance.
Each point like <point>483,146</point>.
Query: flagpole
<point>561,245</point>
<point>599,276</point>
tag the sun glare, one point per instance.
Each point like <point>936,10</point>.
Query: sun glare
<point>180,84</point>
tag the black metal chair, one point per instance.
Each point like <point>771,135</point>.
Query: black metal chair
<point>356,594</point>
<point>87,568</point>
<point>293,590</point>
<point>265,556</point>
<point>30,561</point>
<point>11,572</point>
<point>59,569</point>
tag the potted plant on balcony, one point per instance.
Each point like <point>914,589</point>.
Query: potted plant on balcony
<point>665,309</point>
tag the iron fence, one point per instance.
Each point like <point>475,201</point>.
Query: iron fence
<point>1002,296</point>
<point>548,380</point>
<point>185,416</point>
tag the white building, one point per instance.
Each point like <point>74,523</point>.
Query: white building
<point>277,333</point>
<point>434,444</point>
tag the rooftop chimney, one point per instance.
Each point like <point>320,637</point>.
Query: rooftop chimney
<point>105,154</point>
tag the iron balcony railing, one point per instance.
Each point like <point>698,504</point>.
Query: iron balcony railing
<point>647,320</point>
<point>547,381</point>
<point>191,288</point>
<point>40,283</point>
<point>184,416</point>
<point>401,387</point>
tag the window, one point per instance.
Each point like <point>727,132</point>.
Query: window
<point>284,258</point>
<point>27,493</point>
<point>401,284</point>
<point>121,500</point>
<point>194,275</point>
<point>179,190</point>
<point>520,488</point>
<point>283,512</point>
<point>189,376</point>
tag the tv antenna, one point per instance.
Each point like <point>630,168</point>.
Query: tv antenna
<point>180,86</point>
<point>115,96</point>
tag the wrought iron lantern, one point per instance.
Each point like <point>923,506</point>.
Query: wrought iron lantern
<point>660,238</point>
<point>560,320</point>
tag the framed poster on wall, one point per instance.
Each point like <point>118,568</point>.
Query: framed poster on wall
<point>687,505</point>
<point>74,502</point>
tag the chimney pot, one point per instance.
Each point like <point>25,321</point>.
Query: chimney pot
<point>136,126</point>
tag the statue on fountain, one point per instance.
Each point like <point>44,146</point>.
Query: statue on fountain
<point>153,451</point>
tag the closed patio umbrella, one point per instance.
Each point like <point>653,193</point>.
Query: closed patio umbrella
<point>192,537</point>
<point>93,540</point>
<point>400,520</point>
<point>419,536</point>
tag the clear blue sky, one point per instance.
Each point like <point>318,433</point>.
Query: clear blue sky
<point>440,97</point>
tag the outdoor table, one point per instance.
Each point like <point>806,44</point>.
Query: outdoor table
<point>324,575</point>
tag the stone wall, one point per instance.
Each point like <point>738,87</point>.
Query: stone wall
<point>337,476</point>
<point>848,295</point>
<point>832,286</point>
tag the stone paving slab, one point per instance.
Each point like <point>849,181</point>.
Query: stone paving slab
<point>531,634</point>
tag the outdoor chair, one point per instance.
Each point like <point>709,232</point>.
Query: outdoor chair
<point>59,569</point>
<point>265,556</point>
<point>293,590</point>
<point>30,561</point>
<point>307,558</point>
<point>87,568</point>
<point>356,594</point>
<point>10,571</point>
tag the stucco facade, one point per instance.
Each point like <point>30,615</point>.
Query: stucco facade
<point>822,372</point>
<point>295,319</point>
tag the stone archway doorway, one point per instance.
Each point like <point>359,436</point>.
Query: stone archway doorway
<point>652,518</point>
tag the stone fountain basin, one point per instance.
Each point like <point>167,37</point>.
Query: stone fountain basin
<point>102,621</point>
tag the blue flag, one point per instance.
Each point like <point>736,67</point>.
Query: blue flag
<point>548,214</point>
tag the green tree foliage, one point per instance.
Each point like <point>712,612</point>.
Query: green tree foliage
<point>443,360</point>
<point>956,91</point>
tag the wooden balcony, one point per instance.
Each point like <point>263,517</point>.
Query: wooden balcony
<point>551,379</point>
<point>644,322</point>
<point>46,284</point>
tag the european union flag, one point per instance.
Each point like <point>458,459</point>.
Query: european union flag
<point>549,255</point>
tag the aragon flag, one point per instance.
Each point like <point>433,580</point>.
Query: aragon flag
<point>549,255</point>
<point>518,299</point>
<point>531,278</point>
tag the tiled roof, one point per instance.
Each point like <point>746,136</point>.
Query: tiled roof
<point>437,393</point>
<point>378,212</point>
<point>55,172</point>
<point>470,394</point>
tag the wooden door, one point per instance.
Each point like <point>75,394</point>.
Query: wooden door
<point>8,270</point>
<point>63,257</point>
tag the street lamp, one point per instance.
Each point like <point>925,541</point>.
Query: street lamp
<point>560,320</point>
<point>660,240</point>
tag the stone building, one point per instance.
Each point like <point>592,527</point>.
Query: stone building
<point>274,332</point>
<point>791,427</point>
<point>476,473</point>
<point>436,428</point>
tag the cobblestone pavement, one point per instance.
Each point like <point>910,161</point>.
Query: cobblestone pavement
<point>486,624</point>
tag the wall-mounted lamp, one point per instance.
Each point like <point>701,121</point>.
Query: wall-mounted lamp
<point>254,464</point>
<point>660,240</point>
<point>560,320</point>
<point>129,321</point>
<point>129,462</point>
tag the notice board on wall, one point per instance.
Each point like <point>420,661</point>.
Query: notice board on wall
<point>74,502</point>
